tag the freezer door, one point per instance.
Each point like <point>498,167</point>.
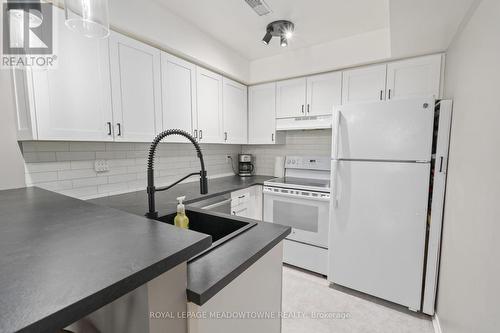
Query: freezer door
<point>399,130</point>
<point>378,227</point>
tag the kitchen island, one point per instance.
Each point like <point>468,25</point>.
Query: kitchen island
<point>63,258</point>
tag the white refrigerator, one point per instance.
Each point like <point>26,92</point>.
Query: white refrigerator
<point>381,172</point>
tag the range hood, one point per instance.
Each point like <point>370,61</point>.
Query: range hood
<point>304,123</point>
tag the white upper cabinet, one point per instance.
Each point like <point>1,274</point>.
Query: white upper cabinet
<point>366,84</point>
<point>179,96</point>
<point>136,89</point>
<point>72,101</point>
<point>262,114</point>
<point>209,106</point>
<point>414,77</point>
<point>291,98</point>
<point>234,112</point>
<point>323,92</point>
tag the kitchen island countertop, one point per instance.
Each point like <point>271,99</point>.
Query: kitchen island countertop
<point>63,258</point>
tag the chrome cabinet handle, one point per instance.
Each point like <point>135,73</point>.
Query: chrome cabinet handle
<point>201,134</point>
<point>272,137</point>
<point>196,134</point>
<point>119,129</point>
<point>109,128</point>
<point>308,107</point>
<point>381,95</point>
<point>225,136</point>
<point>302,108</point>
<point>389,96</point>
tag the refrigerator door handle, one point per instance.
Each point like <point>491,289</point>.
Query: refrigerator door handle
<point>336,129</point>
<point>334,192</point>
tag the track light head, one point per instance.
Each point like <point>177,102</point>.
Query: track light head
<point>267,37</point>
<point>283,41</point>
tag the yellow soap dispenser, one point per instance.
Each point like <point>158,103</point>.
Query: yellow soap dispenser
<point>181,220</point>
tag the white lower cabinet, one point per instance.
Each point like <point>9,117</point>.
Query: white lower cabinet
<point>235,112</point>
<point>71,101</point>
<point>247,202</point>
<point>209,106</point>
<point>136,89</point>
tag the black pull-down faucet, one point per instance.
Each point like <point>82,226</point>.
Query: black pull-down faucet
<point>151,189</point>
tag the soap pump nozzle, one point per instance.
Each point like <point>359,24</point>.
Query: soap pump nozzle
<point>180,205</point>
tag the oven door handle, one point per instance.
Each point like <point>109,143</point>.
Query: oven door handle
<point>288,195</point>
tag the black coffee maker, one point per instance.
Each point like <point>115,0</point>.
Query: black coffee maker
<point>245,166</point>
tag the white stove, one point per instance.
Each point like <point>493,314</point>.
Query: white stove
<point>301,200</point>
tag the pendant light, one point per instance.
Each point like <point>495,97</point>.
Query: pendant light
<point>88,17</point>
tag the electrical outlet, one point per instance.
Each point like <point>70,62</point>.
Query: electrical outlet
<point>101,165</point>
<point>229,159</point>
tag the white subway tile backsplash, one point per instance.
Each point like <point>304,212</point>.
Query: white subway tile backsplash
<point>40,177</point>
<point>40,157</point>
<point>47,166</point>
<point>75,156</point>
<point>87,146</point>
<point>68,167</point>
<point>122,178</point>
<point>106,155</point>
<point>84,182</point>
<point>75,174</point>
<point>116,187</point>
<point>82,164</point>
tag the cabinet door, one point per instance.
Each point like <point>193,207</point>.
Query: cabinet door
<point>291,98</point>
<point>235,112</point>
<point>209,106</point>
<point>136,89</point>
<point>414,77</point>
<point>73,101</point>
<point>262,114</point>
<point>323,92</point>
<point>179,96</point>
<point>366,84</point>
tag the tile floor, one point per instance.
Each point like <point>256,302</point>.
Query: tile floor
<point>307,293</point>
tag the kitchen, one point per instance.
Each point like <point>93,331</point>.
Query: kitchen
<point>356,105</point>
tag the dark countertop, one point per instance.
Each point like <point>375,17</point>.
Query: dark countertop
<point>211,272</point>
<point>166,203</point>
<point>63,258</point>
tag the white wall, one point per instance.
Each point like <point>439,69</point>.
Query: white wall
<point>11,166</point>
<point>469,288</point>
<point>316,142</point>
<point>347,52</point>
<point>154,23</point>
<point>68,167</point>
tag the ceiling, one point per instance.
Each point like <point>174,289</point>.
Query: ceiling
<point>235,24</point>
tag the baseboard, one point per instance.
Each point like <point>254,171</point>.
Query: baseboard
<point>436,324</point>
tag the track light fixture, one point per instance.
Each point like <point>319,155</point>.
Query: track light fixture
<point>282,29</point>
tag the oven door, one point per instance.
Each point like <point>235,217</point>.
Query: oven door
<point>305,211</point>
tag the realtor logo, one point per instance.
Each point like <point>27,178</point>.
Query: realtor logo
<point>27,34</point>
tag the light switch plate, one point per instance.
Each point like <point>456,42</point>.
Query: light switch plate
<point>101,166</point>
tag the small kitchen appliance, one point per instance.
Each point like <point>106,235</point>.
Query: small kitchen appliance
<point>301,200</point>
<point>245,165</point>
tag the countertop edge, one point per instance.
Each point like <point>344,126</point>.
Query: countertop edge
<point>202,298</point>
